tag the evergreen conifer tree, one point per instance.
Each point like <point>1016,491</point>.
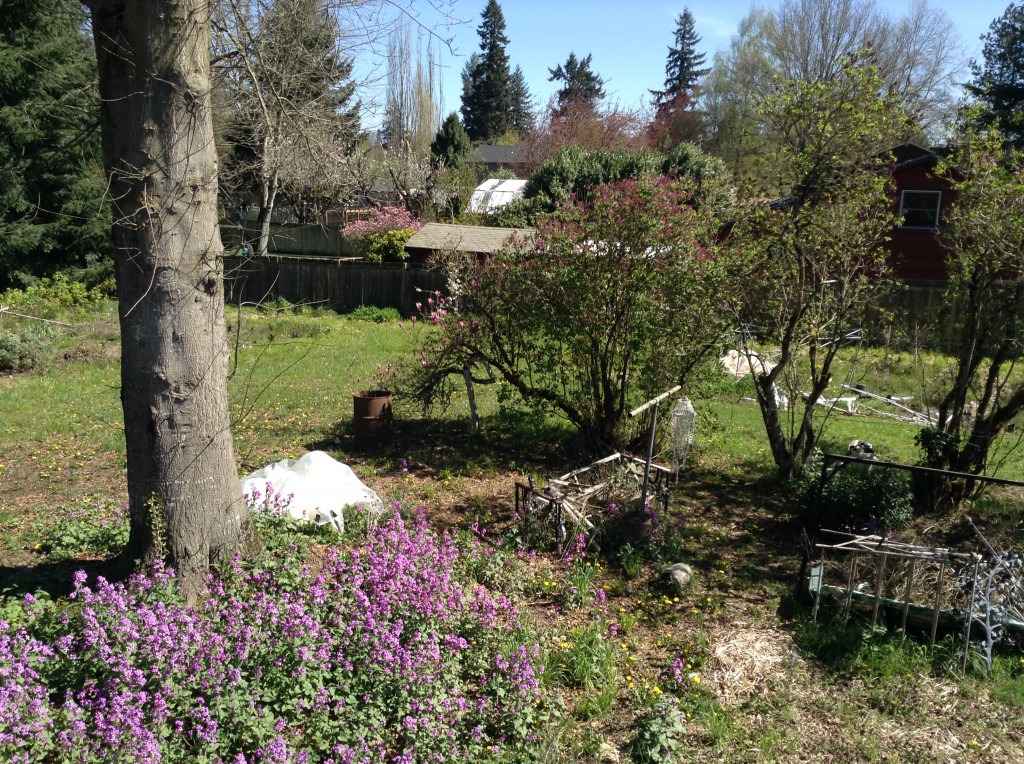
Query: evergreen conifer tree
<point>522,112</point>
<point>451,144</point>
<point>580,85</point>
<point>683,68</point>
<point>999,81</point>
<point>52,211</point>
<point>487,84</point>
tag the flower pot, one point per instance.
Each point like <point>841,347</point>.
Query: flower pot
<point>371,416</point>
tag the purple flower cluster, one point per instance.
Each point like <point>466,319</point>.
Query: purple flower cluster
<point>382,655</point>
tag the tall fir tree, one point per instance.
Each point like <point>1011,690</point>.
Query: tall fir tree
<point>522,104</point>
<point>580,85</point>
<point>683,68</point>
<point>53,215</point>
<point>488,92</point>
<point>999,81</point>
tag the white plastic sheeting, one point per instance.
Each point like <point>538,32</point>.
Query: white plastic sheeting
<point>494,194</point>
<point>315,488</point>
<point>738,364</point>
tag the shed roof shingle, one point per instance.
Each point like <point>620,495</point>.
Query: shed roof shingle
<point>465,238</point>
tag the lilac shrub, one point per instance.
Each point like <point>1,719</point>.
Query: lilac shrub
<point>383,654</point>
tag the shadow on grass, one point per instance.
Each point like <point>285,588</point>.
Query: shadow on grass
<point>438,445</point>
<point>56,577</point>
<point>741,519</point>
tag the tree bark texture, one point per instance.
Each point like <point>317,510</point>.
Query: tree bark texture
<point>158,150</point>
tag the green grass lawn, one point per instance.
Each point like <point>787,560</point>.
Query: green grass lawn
<point>760,682</point>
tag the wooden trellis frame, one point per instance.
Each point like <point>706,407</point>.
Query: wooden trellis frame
<point>914,569</point>
<point>578,501</point>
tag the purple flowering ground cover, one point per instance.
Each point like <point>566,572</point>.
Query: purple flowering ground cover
<point>384,653</point>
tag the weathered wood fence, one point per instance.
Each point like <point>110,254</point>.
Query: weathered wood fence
<point>287,239</point>
<point>343,285</point>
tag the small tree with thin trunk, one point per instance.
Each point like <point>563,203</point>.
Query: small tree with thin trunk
<point>290,120</point>
<point>983,233</point>
<point>813,256</point>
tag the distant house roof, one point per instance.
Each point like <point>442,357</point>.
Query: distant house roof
<point>494,155</point>
<point>910,154</point>
<point>494,193</point>
<point>481,240</point>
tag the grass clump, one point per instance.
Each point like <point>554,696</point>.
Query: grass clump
<point>585,658</point>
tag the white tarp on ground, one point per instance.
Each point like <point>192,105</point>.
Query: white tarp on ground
<point>739,364</point>
<point>317,488</point>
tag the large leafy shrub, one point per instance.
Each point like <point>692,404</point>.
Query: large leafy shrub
<point>615,299</point>
<point>856,498</point>
<point>573,171</point>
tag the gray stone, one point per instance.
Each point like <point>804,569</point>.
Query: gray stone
<point>678,576</point>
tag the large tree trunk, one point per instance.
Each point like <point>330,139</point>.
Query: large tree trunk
<point>158,150</point>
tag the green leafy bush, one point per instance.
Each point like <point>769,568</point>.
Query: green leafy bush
<point>20,351</point>
<point>389,246</point>
<point>277,305</point>
<point>56,297</point>
<point>856,498</point>
<point>382,237</point>
<point>661,734</point>
<point>375,315</point>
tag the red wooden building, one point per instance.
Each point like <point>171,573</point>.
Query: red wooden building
<point>922,198</point>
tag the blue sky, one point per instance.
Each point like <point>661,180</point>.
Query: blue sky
<point>629,40</point>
